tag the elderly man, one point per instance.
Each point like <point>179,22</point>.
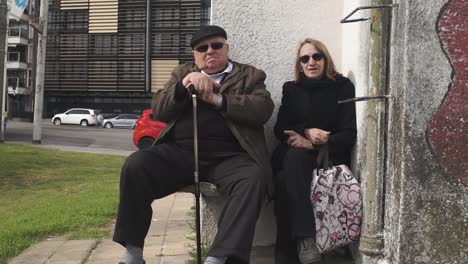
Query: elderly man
<point>233,107</point>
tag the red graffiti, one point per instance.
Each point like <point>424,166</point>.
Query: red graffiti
<point>448,131</point>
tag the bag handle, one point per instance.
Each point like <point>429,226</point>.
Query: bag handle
<point>323,158</point>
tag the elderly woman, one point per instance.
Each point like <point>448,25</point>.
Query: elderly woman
<point>309,117</point>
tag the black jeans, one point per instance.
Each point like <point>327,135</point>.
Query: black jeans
<point>293,208</point>
<point>165,168</point>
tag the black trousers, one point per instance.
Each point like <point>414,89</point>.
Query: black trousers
<point>165,168</point>
<point>293,209</point>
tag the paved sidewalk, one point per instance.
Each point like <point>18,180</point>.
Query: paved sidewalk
<point>167,241</point>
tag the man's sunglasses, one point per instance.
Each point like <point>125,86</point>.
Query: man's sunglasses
<point>214,45</point>
<point>316,56</point>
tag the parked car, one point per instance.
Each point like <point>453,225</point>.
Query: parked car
<point>146,130</point>
<point>123,120</point>
<point>77,116</point>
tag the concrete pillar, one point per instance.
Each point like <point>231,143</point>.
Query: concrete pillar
<point>3,60</point>
<point>372,242</point>
<point>40,74</point>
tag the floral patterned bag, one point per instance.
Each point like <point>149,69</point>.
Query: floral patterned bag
<point>337,203</point>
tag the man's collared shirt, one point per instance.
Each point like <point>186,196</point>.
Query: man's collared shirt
<point>218,77</point>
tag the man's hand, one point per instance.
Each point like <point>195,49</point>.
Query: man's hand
<point>317,136</point>
<point>204,86</point>
<point>297,140</point>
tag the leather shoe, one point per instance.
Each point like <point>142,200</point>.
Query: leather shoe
<point>307,251</point>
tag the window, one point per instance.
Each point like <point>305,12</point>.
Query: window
<point>73,112</point>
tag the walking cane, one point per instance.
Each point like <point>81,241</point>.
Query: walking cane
<point>195,172</point>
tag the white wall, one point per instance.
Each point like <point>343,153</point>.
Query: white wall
<point>355,65</point>
<point>266,34</point>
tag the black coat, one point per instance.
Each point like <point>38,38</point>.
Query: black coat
<point>314,104</point>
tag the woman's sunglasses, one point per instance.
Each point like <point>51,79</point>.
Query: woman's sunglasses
<point>316,56</point>
<point>214,45</point>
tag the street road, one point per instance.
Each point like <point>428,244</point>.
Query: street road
<point>72,135</point>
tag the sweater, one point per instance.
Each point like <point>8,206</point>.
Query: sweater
<point>314,104</point>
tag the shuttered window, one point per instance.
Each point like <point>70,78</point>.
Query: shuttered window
<point>103,16</point>
<point>161,72</point>
<point>100,45</point>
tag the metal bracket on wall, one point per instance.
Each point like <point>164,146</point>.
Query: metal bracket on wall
<point>36,23</point>
<point>364,98</point>
<point>346,20</point>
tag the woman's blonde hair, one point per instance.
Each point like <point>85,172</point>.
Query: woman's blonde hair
<point>329,71</point>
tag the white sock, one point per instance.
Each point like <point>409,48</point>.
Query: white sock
<point>215,260</point>
<point>133,255</point>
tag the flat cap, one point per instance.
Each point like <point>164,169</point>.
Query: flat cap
<point>207,32</point>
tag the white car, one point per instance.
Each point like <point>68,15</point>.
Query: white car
<point>124,120</point>
<point>77,116</point>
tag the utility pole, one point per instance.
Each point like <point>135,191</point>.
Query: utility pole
<point>39,91</point>
<point>3,61</point>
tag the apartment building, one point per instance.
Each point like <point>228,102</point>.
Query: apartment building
<point>20,61</point>
<point>110,54</point>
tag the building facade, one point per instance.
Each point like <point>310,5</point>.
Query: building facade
<point>20,63</point>
<point>110,54</point>
<point>411,152</point>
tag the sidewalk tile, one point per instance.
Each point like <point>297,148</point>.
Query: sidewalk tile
<point>181,213</point>
<point>107,250</point>
<point>29,259</point>
<point>64,262</point>
<point>109,261</point>
<point>46,248</point>
<point>162,207</point>
<point>157,228</point>
<point>73,250</point>
<point>179,231</point>
<point>153,248</point>
<point>38,253</point>
<point>180,259</point>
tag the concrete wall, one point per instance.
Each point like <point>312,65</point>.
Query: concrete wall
<point>266,34</point>
<point>426,181</point>
<point>355,65</point>
<point>426,217</point>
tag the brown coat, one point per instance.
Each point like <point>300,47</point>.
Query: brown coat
<point>249,106</point>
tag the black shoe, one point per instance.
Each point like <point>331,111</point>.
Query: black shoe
<point>307,251</point>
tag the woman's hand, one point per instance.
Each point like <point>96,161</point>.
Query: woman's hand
<point>297,140</point>
<point>317,136</point>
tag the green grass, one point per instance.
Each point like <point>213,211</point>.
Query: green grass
<point>51,192</point>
